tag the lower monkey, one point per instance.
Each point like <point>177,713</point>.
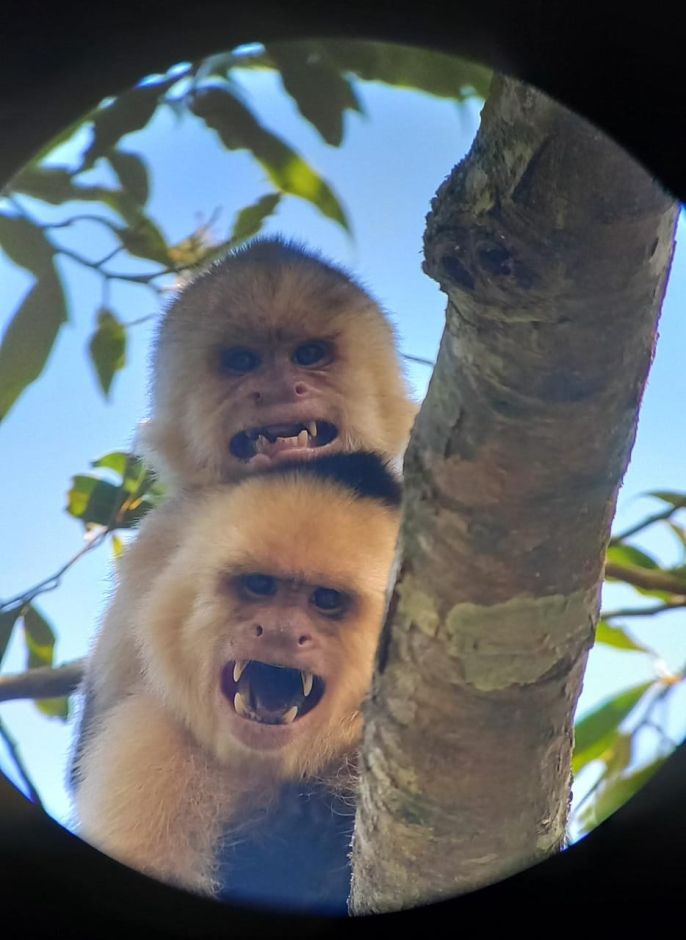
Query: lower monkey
<point>227,764</point>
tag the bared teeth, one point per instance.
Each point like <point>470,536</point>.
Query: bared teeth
<point>307,681</point>
<point>312,428</point>
<point>238,668</point>
<point>241,705</point>
<point>261,444</point>
<point>303,438</point>
<point>290,715</point>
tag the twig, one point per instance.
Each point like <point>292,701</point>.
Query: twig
<point>642,611</point>
<point>53,581</point>
<point>13,750</point>
<point>657,517</point>
<point>42,682</point>
<point>419,359</point>
<point>647,578</point>
<point>81,217</point>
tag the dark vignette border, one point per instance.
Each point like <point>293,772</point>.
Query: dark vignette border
<point>621,66</point>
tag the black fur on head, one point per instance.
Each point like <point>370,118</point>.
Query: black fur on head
<point>368,475</point>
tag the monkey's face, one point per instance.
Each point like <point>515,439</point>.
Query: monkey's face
<point>287,666</point>
<point>262,631</point>
<point>263,363</point>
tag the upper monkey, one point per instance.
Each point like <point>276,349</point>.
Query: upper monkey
<point>272,354</point>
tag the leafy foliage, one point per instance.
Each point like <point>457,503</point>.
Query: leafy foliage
<point>318,77</point>
<point>95,501</point>
<point>606,738</point>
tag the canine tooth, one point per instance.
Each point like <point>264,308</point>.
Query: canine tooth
<point>307,680</point>
<point>312,428</point>
<point>303,438</point>
<point>240,704</point>
<point>238,668</point>
<point>290,715</point>
<point>261,443</point>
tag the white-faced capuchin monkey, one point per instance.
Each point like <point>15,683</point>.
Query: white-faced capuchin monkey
<point>225,765</point>
<point>272,354</point>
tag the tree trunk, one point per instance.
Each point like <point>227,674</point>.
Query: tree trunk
<point>553,247</point>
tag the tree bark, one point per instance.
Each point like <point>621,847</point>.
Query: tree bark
<point>553,246</point>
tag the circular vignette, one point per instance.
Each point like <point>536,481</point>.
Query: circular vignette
<point>508,40</point>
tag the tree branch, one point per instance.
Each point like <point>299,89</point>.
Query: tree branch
<point>42,682</point>
<point>650,579</point>
<point>553,247</point>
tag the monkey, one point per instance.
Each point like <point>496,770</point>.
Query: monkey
<point>255,644</point>
<point>272,354</point>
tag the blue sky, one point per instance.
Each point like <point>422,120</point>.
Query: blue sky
<point>392,161</point>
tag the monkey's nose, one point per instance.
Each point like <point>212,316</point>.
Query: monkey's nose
<point>284,636</point>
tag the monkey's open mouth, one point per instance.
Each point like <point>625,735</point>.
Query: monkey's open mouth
<point>273,695</point>
<point>275,438</point>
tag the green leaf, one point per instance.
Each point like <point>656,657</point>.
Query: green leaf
<point>116,460</point>
<point>594,733</point>
<point>39,637</point>
<point>621,554</point>
<point>616,793</point>
<point>53,184</point>
<point>679,532</point>
<point>132,173</point>
<point>618,758</point>
<point>143,239</point>
<point>92,500</point>
<point>321,93</point>
<point>57,186</point>
<point>30,337</point>
<point>53,707</point>
<point>134,477</point>
<point>673,499</point>
<point>615,636</point>
<point>8,618</point>
<point>107,348</point>
<point>129,112</point>
<point>597,750</point>
<point>436,73</point>
<point>116,505</point>
<point>249,221</point>
<point>26,244</point>
<point>238,129</point>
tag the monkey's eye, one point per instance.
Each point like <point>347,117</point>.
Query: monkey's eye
<point>238,359</point>
<point>328,601</point>
<point>313,353</point>
<point>258,585</point>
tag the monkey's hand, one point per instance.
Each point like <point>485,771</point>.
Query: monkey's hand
<point>150,797</point>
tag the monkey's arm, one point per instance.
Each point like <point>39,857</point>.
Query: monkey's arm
<point>113,667</point>
<point>149,797</point>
